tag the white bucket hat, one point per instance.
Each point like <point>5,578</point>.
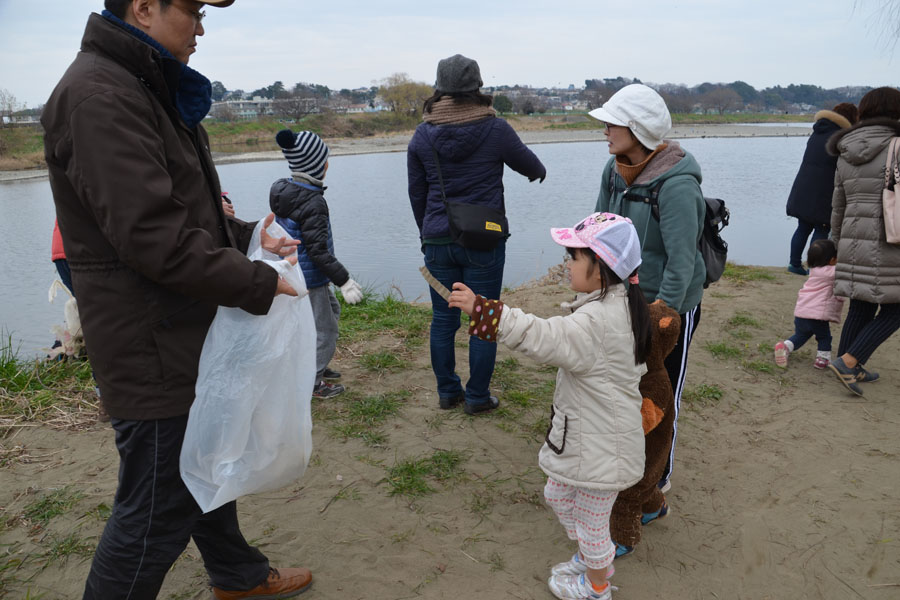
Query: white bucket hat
<point>640,109</point>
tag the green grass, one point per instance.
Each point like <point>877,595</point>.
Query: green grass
<point>742,319</point>
<point>51,505</point>
<point>742,274</point>
<point>763,366</point>
<point>30,389</point>
<point>376,316</point>
<point>411,477</point>
<point>721,350</point>
<point>62,548</point>
<point>701,395</point>
<point>382,362</point>
<point>360,417</point>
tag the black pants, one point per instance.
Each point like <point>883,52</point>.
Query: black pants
<point>863,331</point>
<point>154,517</point>
<point>676,367</point>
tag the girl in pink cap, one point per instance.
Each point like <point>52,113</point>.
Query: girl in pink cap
<point>595,445</point>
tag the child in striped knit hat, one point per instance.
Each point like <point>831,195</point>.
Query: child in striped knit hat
<point>299,206</point>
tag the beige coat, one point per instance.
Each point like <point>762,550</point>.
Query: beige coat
<point>868,268</point>
<point>595,438</point>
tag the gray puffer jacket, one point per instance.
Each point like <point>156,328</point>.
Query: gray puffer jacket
<point>868,268</point>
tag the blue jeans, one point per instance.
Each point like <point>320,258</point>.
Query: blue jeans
<point>806,328</point>
<point>798,241</point>
<point>481,270</point>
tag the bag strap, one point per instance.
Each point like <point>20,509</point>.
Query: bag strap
<point>890,164</point>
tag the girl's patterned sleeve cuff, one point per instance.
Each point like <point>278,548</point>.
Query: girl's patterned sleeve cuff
<point>485,319</point>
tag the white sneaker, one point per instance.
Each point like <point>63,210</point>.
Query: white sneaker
<point>577,587</point>
<point>576,566</point>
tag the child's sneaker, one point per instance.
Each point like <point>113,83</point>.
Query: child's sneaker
<point>578,587</point>
<point>781,355</point>
<point>576,566</point>
<point>660,514</point>
<point>821,362</point>
<point>324,389</point>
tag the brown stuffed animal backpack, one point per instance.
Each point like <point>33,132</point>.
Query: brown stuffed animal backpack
<point>658,416</point>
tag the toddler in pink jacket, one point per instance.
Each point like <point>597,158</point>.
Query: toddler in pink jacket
<point>816,307</point>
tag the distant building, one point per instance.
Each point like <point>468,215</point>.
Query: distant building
<point>242,110</point>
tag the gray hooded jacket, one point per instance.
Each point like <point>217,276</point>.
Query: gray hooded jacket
<point>868,268</point>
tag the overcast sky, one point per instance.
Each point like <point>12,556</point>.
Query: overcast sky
<point>352,44</point>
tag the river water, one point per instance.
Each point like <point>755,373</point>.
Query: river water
<point>375,234</point>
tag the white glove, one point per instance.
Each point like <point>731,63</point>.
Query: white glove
<point>352,292</point>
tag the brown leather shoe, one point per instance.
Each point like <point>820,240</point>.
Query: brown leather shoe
<point>284,583</point>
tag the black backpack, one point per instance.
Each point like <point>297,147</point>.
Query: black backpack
<point>712,247</point>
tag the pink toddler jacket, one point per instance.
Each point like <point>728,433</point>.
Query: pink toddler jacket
<point>816,299</point>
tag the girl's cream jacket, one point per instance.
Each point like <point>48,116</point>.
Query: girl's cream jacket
<point>595,439</point>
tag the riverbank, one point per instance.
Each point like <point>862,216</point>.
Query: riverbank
<point>398,142</point>
<point>783,484</point>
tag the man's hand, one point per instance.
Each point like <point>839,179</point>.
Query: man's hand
<point>462,298</point>
<point>228,208</point>
<point>283,286</point>
<point>281,246</point>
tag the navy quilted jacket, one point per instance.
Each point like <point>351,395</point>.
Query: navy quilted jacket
<point>810,198</point>
<point>472,156</point>
<point>301,209</point>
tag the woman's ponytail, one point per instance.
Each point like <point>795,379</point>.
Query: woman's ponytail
<point>640,321</point>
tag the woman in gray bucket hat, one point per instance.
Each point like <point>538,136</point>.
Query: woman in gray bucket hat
<point>644,165</point>
<point>459,152</point>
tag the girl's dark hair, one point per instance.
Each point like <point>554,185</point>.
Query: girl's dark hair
<point>119,7</point>
<point>637,304</point>
<point>820,253</point>
<point>880,102</point>
<point>471,97</point>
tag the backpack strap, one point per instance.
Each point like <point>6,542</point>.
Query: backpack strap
<point>652,198</point>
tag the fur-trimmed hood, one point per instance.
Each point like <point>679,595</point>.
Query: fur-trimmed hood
<point>833,141</point>
<point>838,119</point>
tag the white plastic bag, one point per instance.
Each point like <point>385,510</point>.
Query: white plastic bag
<point>70,337</point>
<point>250,428</point>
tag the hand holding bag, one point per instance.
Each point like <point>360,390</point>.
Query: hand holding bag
<point>472,225</point>
<point>890,202</point>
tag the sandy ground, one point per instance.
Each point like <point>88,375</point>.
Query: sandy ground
<point>398,143</point>
<point>783,487</point>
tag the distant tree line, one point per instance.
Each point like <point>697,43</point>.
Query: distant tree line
<point>729,97</point>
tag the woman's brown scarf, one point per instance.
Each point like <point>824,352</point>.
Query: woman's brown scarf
<point>448,111</point>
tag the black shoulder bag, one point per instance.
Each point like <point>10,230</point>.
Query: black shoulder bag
<point>472,225</point>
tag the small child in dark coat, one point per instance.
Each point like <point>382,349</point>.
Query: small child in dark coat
<point>299,206</point>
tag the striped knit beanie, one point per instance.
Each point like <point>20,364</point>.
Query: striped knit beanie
<point>304,151</point>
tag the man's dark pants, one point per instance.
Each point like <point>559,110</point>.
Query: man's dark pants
<point>155,516</point>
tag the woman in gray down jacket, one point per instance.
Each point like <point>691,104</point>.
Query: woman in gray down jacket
<point>868,268</point>
<point>462,136</point>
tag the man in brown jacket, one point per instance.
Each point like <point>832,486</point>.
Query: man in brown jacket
<point>152,256</point>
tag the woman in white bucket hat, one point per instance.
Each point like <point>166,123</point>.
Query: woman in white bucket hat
<point>644,166</point>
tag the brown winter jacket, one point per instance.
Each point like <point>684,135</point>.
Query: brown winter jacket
<point>868,268</point>
<point>138,201</point>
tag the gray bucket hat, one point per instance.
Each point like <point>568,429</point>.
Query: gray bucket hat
<point>458,74</point>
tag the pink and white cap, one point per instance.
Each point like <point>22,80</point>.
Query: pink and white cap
<point>611,237</point>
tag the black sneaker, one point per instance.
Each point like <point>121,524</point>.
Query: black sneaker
<point>324,389</point>
<point>451,402</point>
<point>488,406</point>
<point>330,374</point>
